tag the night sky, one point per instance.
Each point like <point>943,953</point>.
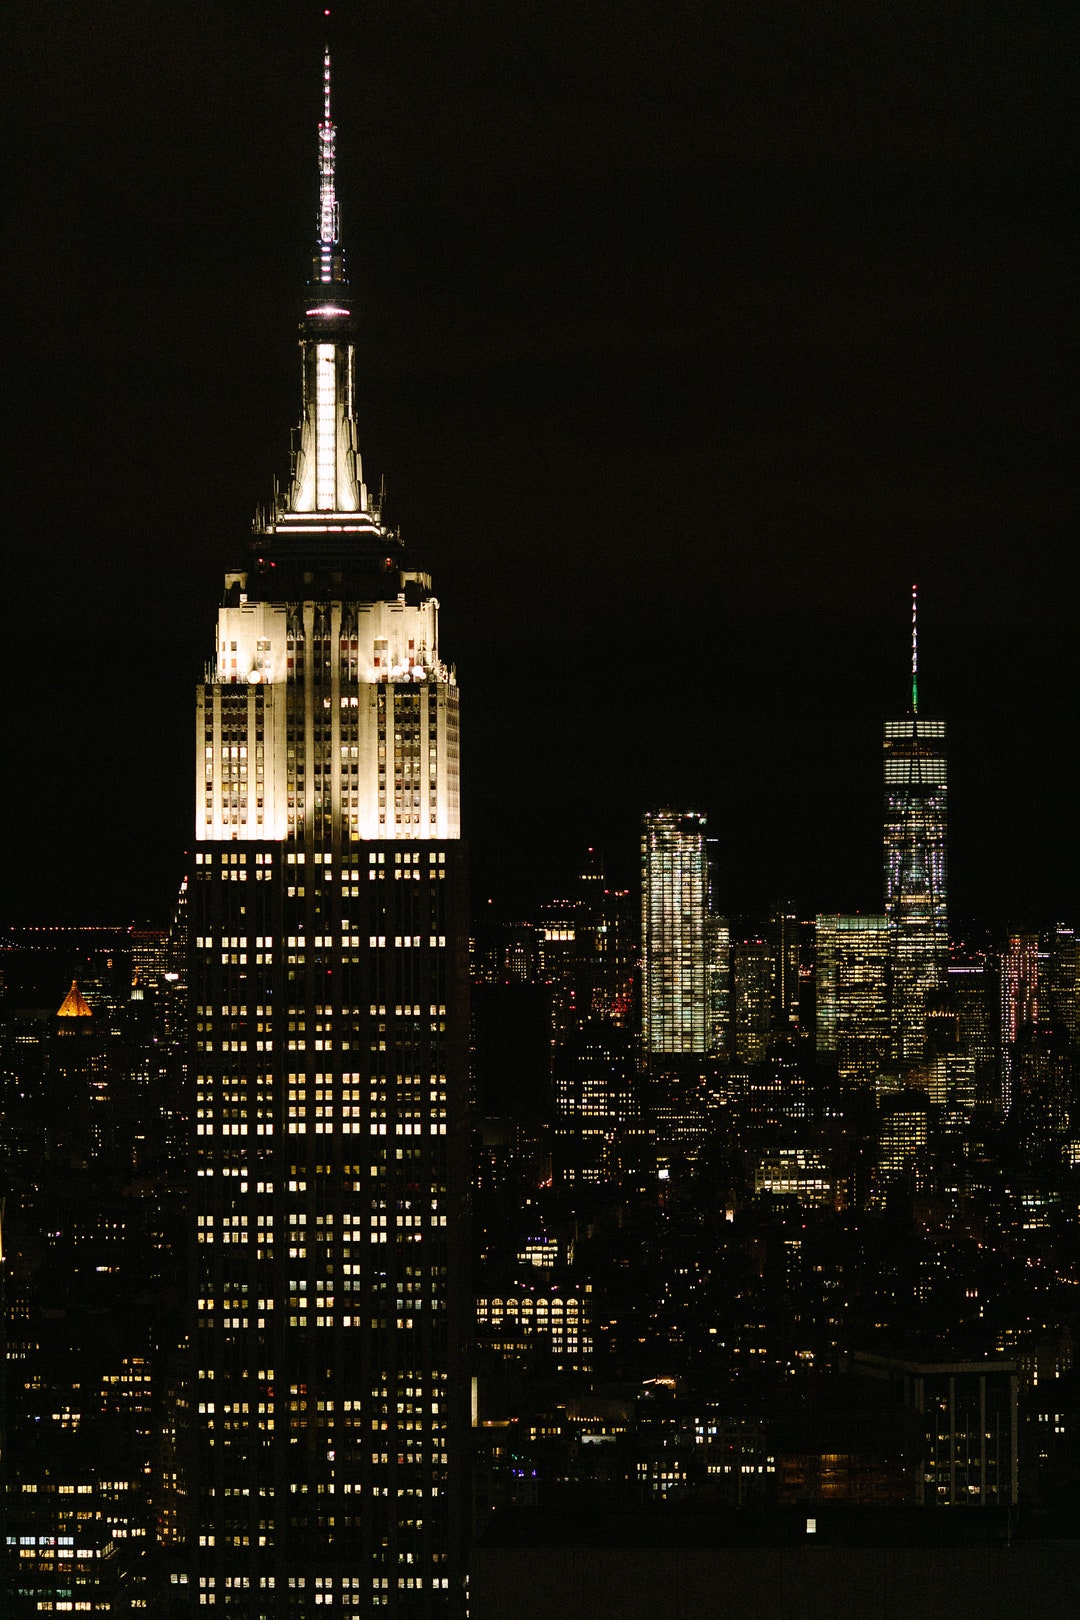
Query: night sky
<point>691,335</point>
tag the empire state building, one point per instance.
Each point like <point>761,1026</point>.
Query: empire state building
<point>329,1019</point>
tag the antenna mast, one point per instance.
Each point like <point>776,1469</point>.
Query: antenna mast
<point>329,221</point>
<point>914,649</point>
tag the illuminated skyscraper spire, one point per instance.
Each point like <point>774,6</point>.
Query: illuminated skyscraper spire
<point>327,473</point>
<point>915,865</point>
<point>328,849</point>
<point>329,213</point>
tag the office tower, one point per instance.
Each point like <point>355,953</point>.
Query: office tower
<point>903,1134</point>
<point>1043,1081</point>
<point>1064,981</point>
<point>973,992</point>
<point>587,951</point>
<point>915,874</point>
<point>149,958</point>
<point>1019,1001</point>
<point>796,1173</point>
<point>851,968</point>
<point>595,1099</point>
<point>557,952</point>
<point>590,938</point>
<point>606,945</point>
<point>769,1092</point>
<point>717,985</point>
<point>752,998</point>
<point>949,1071</point>
<point>674,906</point>
<point>617,955</point>
<point>783,937</point>
<point>329,1041</point>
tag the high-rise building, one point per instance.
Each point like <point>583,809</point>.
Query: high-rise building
<point>852,1009</point>
<point>606,941</point>
<point>1019,1001</point>
<point>557,953</point>
<point>717,985</point>
<point>1043,1084</point>
<point>674,907</point>
<point>149,957</point>
<point>595,1099</point>
<point>904,1130</point>
<point>915,870</point>
<point>783,936</point>
<point>950,1072</point>
<point>1063,989</point>
<point>328,989</point>
<point>973,993</point>
<point>752,999</point>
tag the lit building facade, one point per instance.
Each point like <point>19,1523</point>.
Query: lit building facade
<point>915,868</point>
<point>1063,987</point>
<point>851,968</point>
<point>973,992</point>
<point>796,1173</point>
<point>557,961</point>
<point>595,1099</point>
<point>717,984</point>
<point>752,998</point>
<point>606,945</point>
<point>552,1326</point>
<point>1019,1001</point>
<point>674,889</point>
<point>328,975</point>
<point>903,1134</point>
<point>783,936</point>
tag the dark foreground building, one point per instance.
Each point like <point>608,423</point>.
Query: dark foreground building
<point>329,1057</point>
<point>864,1565</point>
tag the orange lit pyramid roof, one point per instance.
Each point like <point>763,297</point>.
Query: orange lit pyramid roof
<point>74,1004</point>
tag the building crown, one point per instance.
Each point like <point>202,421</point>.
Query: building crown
<point>74,1004</point>
<point>327,491</point>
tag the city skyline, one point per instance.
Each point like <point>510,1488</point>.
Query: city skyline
<point>698,380</point>
<point>359,1256</point>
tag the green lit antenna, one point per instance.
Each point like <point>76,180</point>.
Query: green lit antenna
<point>914,649</point>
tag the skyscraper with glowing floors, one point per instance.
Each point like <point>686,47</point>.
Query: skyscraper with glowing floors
<point>329,1026</point>
<point>676,1021</point>
<point>674,910</point>
<point>915,868</point>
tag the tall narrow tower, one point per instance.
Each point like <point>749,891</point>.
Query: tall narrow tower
<point>1019,1001</point>
<point>328,975</point>
<point>674,905</point>
<point>915,871</point>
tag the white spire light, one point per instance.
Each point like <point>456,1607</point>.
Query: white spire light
<point>329,219</point>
